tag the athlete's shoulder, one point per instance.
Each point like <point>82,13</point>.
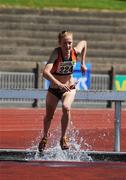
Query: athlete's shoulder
<point>74,54</point>
<point>53,56</point>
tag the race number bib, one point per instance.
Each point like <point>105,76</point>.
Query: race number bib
<point>65,68</point>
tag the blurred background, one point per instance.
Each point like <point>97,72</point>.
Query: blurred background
<point>28,34</point>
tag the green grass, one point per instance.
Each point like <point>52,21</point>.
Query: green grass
<point>81,4</point>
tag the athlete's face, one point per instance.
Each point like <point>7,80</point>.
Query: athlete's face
<point>66,43</point>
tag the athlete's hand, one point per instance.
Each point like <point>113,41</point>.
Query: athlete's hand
<point>83,68</point>
<point>63,87</point>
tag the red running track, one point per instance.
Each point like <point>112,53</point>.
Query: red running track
<point>81,171</point>
<point>21,128</point>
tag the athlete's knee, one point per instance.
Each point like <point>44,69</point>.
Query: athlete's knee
<point>49,117</point>
<point>66,108</point>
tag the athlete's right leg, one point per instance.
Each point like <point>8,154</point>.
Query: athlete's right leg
<point>51,104</point>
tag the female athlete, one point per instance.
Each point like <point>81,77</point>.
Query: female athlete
<point>58,71</point>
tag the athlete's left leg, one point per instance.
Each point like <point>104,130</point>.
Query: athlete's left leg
<point>67,101</point>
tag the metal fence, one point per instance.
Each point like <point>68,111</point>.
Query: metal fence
<point>100,82</point>
<point>26,80</point>
<point>16,80</point>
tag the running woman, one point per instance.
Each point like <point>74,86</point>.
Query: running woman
<point>58,71</point>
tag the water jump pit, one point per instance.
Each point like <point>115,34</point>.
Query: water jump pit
<point>56,157</point>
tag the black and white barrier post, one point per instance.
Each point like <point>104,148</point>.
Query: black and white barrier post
<point>117,126</point>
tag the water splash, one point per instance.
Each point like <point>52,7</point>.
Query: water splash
<point>54,152</point>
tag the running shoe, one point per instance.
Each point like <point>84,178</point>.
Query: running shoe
<point>63,143</point>
<point>42,144</point>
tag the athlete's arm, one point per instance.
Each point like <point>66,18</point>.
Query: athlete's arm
<point>48,75</point>
<point>81,48</point>
<point>47,70</point>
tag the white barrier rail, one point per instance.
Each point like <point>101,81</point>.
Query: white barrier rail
<point>117,97</point>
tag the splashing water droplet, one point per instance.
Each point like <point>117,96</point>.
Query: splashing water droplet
<point>54,151</point>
